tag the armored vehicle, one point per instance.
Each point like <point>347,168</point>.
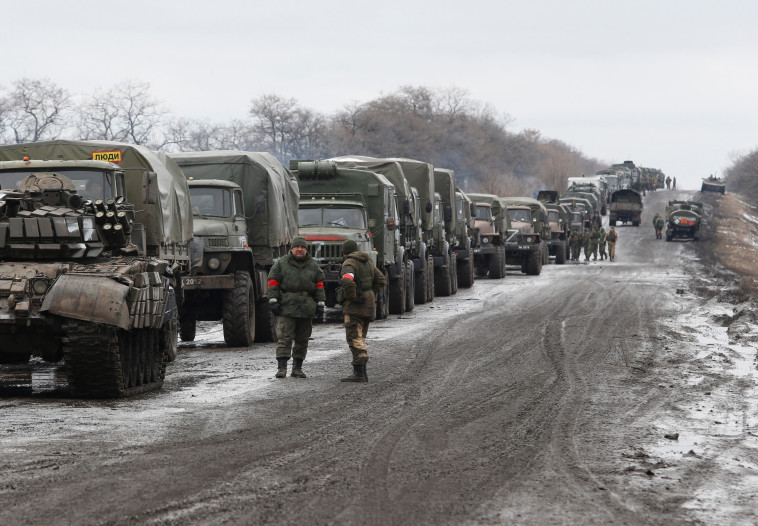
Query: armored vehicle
<point>491,225</point>
<point>227,275</point>
<point>625,207</point>
<point>465,212</point>
<point>338,203</point>
<point>90,253</point>
<point>683,220</point>
<point>559,219</point>
<point>528,239</point>
<point>713,184</point>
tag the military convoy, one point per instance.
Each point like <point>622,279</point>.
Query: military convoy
<point>491,226</point>
<point>90,255</point>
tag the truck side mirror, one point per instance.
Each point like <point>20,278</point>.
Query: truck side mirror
<point>428,208</point>
<point>472,206</point>
<point>150,193</point>
<point>448,214</point>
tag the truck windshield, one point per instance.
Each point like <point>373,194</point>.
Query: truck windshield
<point>459,209</point>
<point>519,215</point>
<point>552,216</point>
<point>344,217</point>
<point>484,213</point>
<point>210,201</point>
<point>92,184</point>
<point>577,218</point>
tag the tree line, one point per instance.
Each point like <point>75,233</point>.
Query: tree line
<point>442,126</point>
<point>742,175</point>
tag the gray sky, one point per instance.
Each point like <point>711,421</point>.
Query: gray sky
<point>671,84</point>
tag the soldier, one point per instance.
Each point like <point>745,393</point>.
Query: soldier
<point>296,296</point>
<point>586,244</point>
<point>601,244</point>
<point>594,238</point>
<point>668,183</point>
<point>673,183</point>
<point>575,240</point>
<point>611,237</point>
<point>361,282</point>
<point>658,223</point>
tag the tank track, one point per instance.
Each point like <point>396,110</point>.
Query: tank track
<point>107,362</point>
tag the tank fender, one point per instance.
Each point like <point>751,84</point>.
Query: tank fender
<point>89,298</point>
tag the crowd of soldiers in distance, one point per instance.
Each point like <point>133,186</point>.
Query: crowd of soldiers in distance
<point>593,242</point>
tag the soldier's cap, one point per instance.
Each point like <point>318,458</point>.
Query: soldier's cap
<point>349,246</point>
<point>299,241</point>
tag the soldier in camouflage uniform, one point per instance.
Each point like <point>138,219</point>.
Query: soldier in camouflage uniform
<point>593,241</point>
<point>658,224</point>
<point>601,244</point>
<point>611,237</point>
<point>586,244</point>
<point>575,240</point>
<point>296,296</point>
<point>361,282</point>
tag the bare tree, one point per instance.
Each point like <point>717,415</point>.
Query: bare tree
<point>35,110</point>
<point>127,113</point>
<point>273,116</point>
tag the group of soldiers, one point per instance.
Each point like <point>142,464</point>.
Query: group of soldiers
<point>593,242</point>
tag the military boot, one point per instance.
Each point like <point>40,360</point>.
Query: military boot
<point>297,368</point>
<point>359,374</point>
<point>282,372</point>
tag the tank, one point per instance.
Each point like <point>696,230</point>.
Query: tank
<point>75,281</point>
<point>713,184</point>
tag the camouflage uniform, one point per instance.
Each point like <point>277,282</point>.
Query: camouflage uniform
<point>592,244</point>
<point>611,237</point>
<point>296,291</point>
<point>601,244</point>
<point>658,223</point>
<point>361,282</point>
<point>575,239</point>
<point>586,245</point>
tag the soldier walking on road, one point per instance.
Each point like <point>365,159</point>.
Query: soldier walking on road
<point>594,237</point>
<point>296,296</point>
<point>361,282</point>
<point>575,240</point>
<point>601,244</point>
<point>611,237</point>
<point>658,223</point>
<point>673,183</point>
<point>586,244</point>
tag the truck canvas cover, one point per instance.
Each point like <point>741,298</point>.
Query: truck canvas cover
<point>270,191</point>
<point>134,160</point>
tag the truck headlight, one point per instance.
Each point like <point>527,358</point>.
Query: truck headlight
<point>214,263</point>
<point>39,286</point>
<point>529,240</point>
<point>485,240</point>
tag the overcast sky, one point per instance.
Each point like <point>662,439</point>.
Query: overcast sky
<point>671,84</point>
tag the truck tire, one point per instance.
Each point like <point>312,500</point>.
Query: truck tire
<point>429,280</point>
<point>465,271</point>
<point>410,286</point>
<point>534,264</point>
<point>170,340</point>
<point>382,301</point>
<point>187,328</point>
<point>635,223</point>
<point>442,285</point>
<point>420,291</point>
<point>560,253</point>
<point>238,312</point>
<point>669,236</point>
<point>397,292</point>
<point>265,323</point>
<point>612,222</point>
<point>497,264</point>
<point>453,273</point>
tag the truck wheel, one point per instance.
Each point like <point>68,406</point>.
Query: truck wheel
<point>238,312</point>
<point>410,286</point>
<point>429,279</point>
<point>382,302</point>
<point>497,265</point>
<point>465,271</point>
<point>560,253</point>
<point>635,223</point>
<point>420,292</point>
<point>453,273</point>
<point>265,323</point>
<point>170,341</point>
<point>534,264</point>
<point>187,329</point>
<point>442,285</point>
<point>669,236</point>
<point>397,292</point>
<point>612,222</point>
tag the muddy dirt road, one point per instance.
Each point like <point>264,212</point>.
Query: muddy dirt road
<point>527,400</point>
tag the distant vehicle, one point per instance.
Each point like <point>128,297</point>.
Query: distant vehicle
<point>713,184</point>
<point>683,220</point>
<point>625,207</point>
<point>491,225</point>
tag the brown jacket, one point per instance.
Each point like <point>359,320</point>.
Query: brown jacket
<point>361,281</point>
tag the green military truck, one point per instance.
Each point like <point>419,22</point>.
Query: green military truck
<point>235,247</point>
<point>528,239</point>
<point>90,255</point>
<point>465,213</point>
<point>446,232</point>
<point>559,219</point>
<point>683,220</point>
<point>339,203</point>
<point>491,225</point>
<point>625,207</point>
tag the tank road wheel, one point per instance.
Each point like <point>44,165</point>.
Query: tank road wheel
<point>442,285</point>
<point>560,253</point>
<point>465,271</point>
<point>265,323</point>
<point>170,340</point>
<point>105,362</point>
<point>430,279</point>
<point>238,312</point>
<point>534,263</point>
<point>397,292</point>
<point>453,273</point>
<point>420,292</point>
<point>497,265</point>
<point>410,286</point>
<point>187,328</point>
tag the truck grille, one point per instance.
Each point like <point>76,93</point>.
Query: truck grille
<point>216,242</point>
<point>325,250</point>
